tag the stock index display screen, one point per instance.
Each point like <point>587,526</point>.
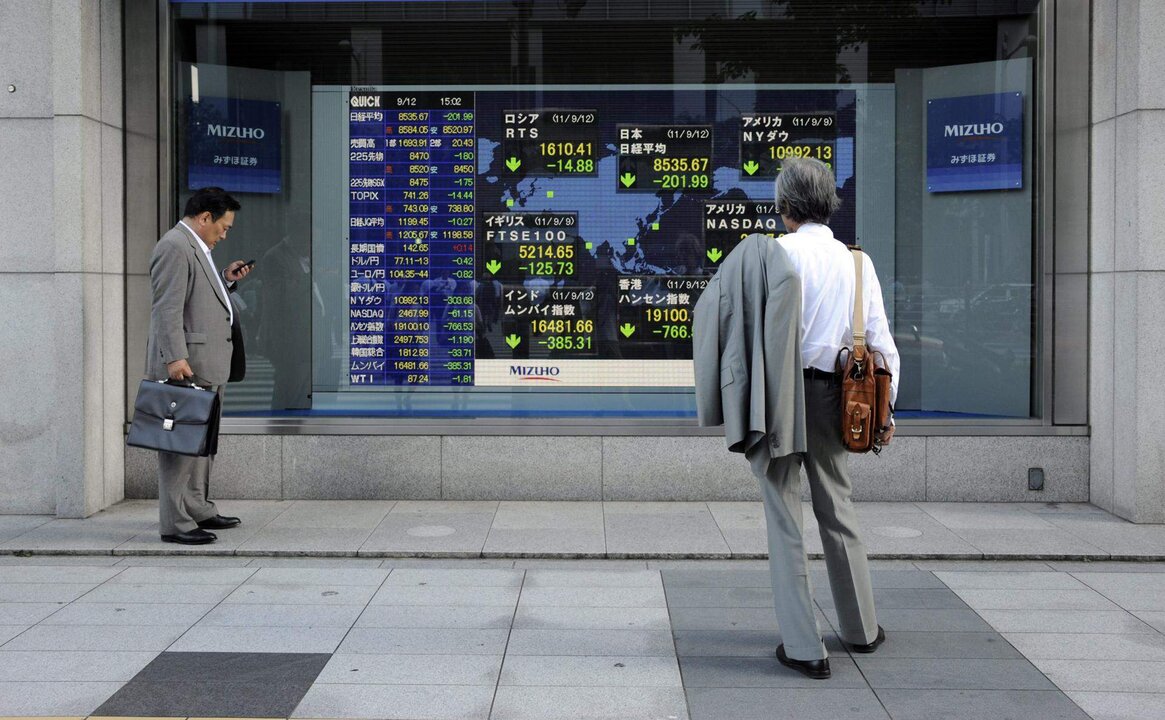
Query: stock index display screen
<point>508,238</point>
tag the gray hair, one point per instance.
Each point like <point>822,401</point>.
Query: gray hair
<point>806,190</point>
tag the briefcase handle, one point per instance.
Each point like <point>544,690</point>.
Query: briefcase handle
<point>181,383</point>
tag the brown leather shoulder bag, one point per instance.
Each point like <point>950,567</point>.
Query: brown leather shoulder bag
<point>865,382</point>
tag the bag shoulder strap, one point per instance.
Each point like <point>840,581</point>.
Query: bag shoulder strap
<point>859,321</point>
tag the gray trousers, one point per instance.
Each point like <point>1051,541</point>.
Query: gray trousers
<point>183,489</point>
<point>827,465</point>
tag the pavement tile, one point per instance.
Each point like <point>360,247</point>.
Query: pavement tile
<point>609,597</point>
<point>1010,580</point>
<point>645,529</point>
<point>366,668</point>
<point>984,516</point>
<point>599,618</point>
<point>569,542</point>
<point>1119,706</point>
<point>198,698</point>
<point>12,526</point>
<point>425,641</point>
<point>218,638</point>
<point>71,666</point>
<point>322,541</point>
<point>102,638</point>
<point>26,613</point>
<point>743,526</point>
<point>390,702</point>
<point>1115,536</point>
<point>71,535</point>
<point>592,579</point>
<point>302,594</point>
<point>590,671</point>
<point>455,577</point>
<point>717,565</point>
<point>951,645</point>
<point>1155,619</point>
<point>914,704</point>
<point>1132,591</point>
<point>7,632</point>
<point>1064,621</point>
<point>446,595</point>
<point>373,577</point>
<point>282,616</point>
<point>137,593</point>
<point>82,575</point>
<point>709,578</point>
<point>429,532</point>
<point>733,618</point>
<point>799,703</point>
<point>332,514</point>
<point>436,616</point>
<point>1034,599</point>
<point>1029,542</point>
<point>740,643</point>
<point>232,576</point>
<point>156,614</point>
<point>1073,646</point>
<point>755,672</point>
<point>233,667</point>
<point>946,674</point>
<point>1116,566</point>
<point>53,699</point>
<point>923,620</point>
<point>1134,676</point>
<point>915,535</point>
<point>757,597</point>
<point>904,598</point>
<point>528,641</point>
<point>589,703</point>
<point>43,592</point>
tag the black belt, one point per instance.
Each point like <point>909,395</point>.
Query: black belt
<point>815,374</point>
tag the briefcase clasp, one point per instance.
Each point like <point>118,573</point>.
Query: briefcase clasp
<point>168,424</point>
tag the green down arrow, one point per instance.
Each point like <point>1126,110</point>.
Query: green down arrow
<point>513,164</point>
<point>714,255</point>
<point>513,341</point>
<point>751,167</point>
<point>627,179</point>
<point>627,329</point>
<point>493,266</point>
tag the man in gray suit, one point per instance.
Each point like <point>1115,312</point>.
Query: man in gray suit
<point>804,427</point>
<point>193,327</point>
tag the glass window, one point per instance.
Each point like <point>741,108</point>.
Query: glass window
<point>508,209</point>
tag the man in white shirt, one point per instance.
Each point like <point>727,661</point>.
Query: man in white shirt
<point>806,198</point>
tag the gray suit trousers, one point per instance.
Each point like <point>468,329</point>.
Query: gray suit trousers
<point>827,465</point>
<point>183,489</point>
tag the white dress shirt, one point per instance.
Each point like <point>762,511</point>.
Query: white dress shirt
<point>826,268</point>
<point>217,276</point>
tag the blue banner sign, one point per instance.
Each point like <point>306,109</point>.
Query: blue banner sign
<point>974,142</point>
<point>234,144</point>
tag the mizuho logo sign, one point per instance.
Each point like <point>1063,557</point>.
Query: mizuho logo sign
<point>234,131</point>
<point>980,129</point>
<point>535,372</point>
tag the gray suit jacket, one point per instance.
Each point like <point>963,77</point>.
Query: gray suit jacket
<point>189,318</point>
<point>747,350</point>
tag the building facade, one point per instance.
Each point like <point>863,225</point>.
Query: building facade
<point>479,229</point>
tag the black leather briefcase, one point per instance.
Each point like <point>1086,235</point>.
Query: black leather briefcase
<point>180,419</point>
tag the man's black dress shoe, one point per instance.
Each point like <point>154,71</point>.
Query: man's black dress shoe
<point>219,522</point>
<point>871,647</point>
<point>194,537</point>
<point>816,669</point>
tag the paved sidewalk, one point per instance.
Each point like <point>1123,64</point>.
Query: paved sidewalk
<point>711,530</point>
<point>514,639</point>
